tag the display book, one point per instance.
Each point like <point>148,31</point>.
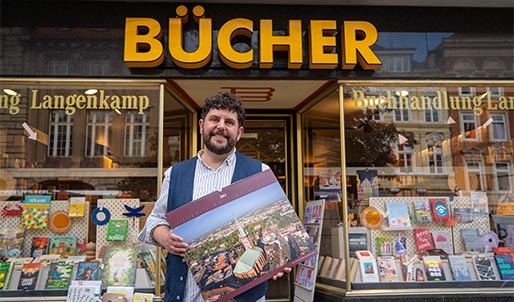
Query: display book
<point>252,224</point>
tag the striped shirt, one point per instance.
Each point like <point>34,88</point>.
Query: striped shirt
<point>207,180</point>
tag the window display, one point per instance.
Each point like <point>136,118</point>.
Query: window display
<point>432,194</point>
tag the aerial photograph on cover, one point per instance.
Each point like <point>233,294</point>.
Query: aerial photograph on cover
<point>245,242</point>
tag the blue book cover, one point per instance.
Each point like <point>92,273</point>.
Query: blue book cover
<point>398,214</point>
<point>505,266</point>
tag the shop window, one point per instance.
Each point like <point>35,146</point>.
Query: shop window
<point>503,177</point>
<point>59,135</point>
<point>435,154</point>
<point>469,123</point>
<point>498,129</point>
<point>98,134</point>
<point>136,134</point>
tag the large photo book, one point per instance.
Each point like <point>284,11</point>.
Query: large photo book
<point>241,236</point>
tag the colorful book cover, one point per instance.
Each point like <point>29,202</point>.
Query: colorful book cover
<point>63,245</point>
<point>484,267</point>
<point>39,246</point>
<point>148,264</point>
<point>400,245</point>
<point>5,273</point>
<point>77,206</point>
<point>87,271</point>
<point>442,241</point>
<point>59,275</point>
<point>385,246</point>
<point>423,240</point>
<point>440,210</point>
<point>412,268</point>
<point>29,275</point>
<point>505,265</point>
<point>117,230</point>
<point>120,265</point>
<point>387,269</point>
<point>36,209</point>
<point>398,214</point>
<point>459,267</point>
<point>479,202</point>
<point>434,268</point>
<point>422,210</point>
<point>259,238</point>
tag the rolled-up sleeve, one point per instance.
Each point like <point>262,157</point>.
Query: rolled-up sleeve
<point>158,215</point>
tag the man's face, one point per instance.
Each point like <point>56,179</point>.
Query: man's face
<point>220,131</point>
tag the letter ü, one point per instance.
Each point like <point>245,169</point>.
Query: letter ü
<point>202,55</point>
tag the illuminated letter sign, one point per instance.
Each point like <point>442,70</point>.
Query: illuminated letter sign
<point>358,37</point>
<point>143,47</point>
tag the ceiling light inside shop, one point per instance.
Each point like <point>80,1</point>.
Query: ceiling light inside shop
<point>10,91</point>
<point>117,111</point>
<point>91,91</point>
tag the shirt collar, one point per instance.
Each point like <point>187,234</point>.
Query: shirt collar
<point>230,160</point>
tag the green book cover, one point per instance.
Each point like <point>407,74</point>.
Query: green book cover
<point>59,275</point>
<point>117,230</point>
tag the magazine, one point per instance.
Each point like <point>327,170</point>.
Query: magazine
<point>260,238</point>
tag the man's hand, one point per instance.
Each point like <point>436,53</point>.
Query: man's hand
<point>279,275</point>
<point>169,240</point>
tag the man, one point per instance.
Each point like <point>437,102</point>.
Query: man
<point>216,166</point>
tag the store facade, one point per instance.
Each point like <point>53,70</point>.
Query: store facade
<point>398,107</point>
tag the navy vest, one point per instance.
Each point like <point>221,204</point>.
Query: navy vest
<point>180,193</point>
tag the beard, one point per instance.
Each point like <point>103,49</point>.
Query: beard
<point>219,150</point>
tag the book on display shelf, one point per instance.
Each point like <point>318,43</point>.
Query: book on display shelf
<point>442,241</point>
<point>423,240</point>
<point>385,246</point>
<point>368,266</point>
<point>87,270</point>
<point>5,274</point>
<point>120,265</point>
<point>260,238</point>
<point>434,268</point>
<point>459,267</point>
<point>412,267</point>
<point>484,267</point>
<point>29,276</point>
<point>422,210</point>
<point>387,269</point>
<point>505,264</point>
<point>440,209</point>
<point>398,214</point>
<point>59,275</point>
<point>39,246</point>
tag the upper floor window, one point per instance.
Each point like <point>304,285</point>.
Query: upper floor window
<point>474,175</point>
<point>99,132</point>
<point>405,158</point>
<point>469,125</point>
<point>136,134</point>
<point>503,177</point>
<point>432,115</point>
<point>435,154</point>
<point>402,114</point>
<point>498,128</point>
<point>59,135</point>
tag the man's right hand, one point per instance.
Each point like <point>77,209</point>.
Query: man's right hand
<point>172,242</point>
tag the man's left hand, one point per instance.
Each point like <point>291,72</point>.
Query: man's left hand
<point>279,275</point>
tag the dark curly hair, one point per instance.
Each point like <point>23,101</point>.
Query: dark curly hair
<point>227,101</point>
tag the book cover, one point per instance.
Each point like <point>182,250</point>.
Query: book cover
<point>29,275</point>
<point>412,268</point>
<point>400,245</point>
<point>87,270</point>
<point>39,246</point>
<point>143,297</point>
<point>472,240</point>
<point>63,245</point>
<point>398,214</point>
<point>463,215</point>
<point>120,265</point>
<point>442,241</point>
<point>422,210</point>
<point>77,206</point>
<point>117,230</point>
<point>505,265</point>
<point>368,266</point>
<point>439,208</point>
<point>148,264</point>
<point>260,238</point>
<point>423,240</point>
<point>459,267</point>
<point>387,269</point>
<point>385,246</point>
<point>59,275</point>
<point>35,211</point>
<point>5,274</point>
<point>484,267</point>
<point>479,202</point>
<point>434,268</point>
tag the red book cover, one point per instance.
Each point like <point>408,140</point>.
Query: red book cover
<point>241,236</point>
<point>440,209</point>
<point>39,246</point>
<point>423,240</point>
